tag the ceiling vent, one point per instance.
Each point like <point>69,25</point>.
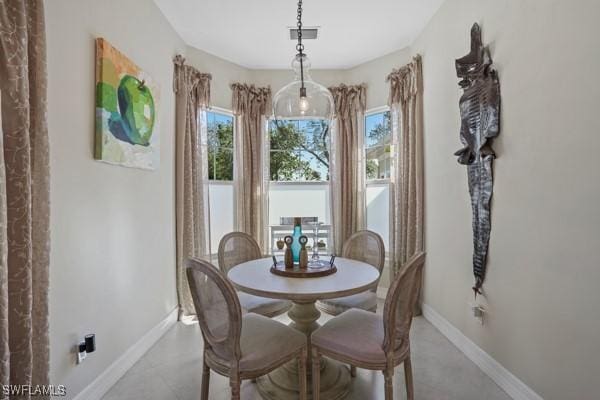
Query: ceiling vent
<point>307,33</point>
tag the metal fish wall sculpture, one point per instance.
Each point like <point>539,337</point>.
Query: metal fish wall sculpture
<point>480,124</point>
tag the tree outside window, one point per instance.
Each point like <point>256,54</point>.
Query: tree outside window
<point>220,146</point>
<point>299,150</point>
<point>378,141</point>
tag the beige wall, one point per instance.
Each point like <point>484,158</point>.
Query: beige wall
<point>540,293</point>
<point>224,73</point>
<point>373,73</point>
<point>278,78</point>
<point>544,267</point>
<point>112,227</point>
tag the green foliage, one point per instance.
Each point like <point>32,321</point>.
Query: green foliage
<point>289,143</point>
<point>291,151</point>
<point>380,138</point>
<point>381,133</point>
<point>372,169</point>
<point>220,151</point>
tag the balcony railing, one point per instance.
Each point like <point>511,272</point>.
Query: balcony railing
<point>299,199</point>
<point>296,199</point>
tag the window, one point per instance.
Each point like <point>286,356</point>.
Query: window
<point>219,126</point>
<point>378,156</point>
<point>220,146</point>
<point>299,174</point>
<point>378,140</point>
<point>299,150</point>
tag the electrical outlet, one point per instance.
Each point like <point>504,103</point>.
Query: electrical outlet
<point>81,355</point>
<point>85,347</point>
<point>478,312</point>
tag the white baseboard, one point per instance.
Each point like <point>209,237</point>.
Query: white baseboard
<point>512,385</point>
<point>106,380</point>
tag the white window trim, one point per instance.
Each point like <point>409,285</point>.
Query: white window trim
<point>377,182</point>
<point>372,111</point>
<point>307,183</point>
<point>229,113</point>
<point>221,110</point>
<point>302,183</point>
<point>377,110</point>
<point>299,183</point>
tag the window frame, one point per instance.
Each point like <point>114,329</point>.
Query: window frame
<point>270,151</point>
<point>379,181</point>
<point>369,112</point>
<point>219,182</point>
<point>228,113</point>
<point>274,184</point>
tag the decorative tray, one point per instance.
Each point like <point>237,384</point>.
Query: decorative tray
<point>315,269</point>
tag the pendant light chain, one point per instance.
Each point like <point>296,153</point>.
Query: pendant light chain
<point>300,46</point>
<point>300,49</point>
<point>302,98</point>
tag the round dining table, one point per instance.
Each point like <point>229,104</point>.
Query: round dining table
<point>352,277</point>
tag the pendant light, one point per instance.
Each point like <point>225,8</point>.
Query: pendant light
<point>303,98</point>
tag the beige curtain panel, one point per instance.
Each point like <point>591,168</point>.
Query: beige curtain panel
<point>251,105</point>
<point>24,196</point>
<point>192,94</point>
<point>348,170</point>
<point>406,102</point>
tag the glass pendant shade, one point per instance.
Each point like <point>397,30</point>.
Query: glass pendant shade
<point>289,104</point>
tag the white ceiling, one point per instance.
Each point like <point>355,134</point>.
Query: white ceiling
<point>254,33</point>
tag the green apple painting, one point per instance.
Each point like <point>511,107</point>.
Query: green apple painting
<point>126,113</point>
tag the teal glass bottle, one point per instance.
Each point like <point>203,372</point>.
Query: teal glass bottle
<point>296,246</point>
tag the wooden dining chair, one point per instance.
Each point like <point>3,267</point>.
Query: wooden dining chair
<point>371,341</point>
<point>236,248</point>
<point>366,246</point>
<point>235,345</point>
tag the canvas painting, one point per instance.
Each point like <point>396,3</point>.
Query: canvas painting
<point>126,111</point>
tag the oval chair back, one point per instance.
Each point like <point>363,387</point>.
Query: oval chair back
<point>236,248</point>
<point>217,308</point>
<point>366,246</point>
<point>400,303</point>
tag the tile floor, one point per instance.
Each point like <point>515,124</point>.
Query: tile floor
<point>172,370</point>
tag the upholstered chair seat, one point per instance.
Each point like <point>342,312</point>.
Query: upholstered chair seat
<point>236,345</point>
<point>365,301</point>
<point>377,342</point>
<point>236,248</point>
<point>263,341</point>
<point>368,247</point>
<point>356,334</point>
<point>262,305</point>
<point>267,342</point>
